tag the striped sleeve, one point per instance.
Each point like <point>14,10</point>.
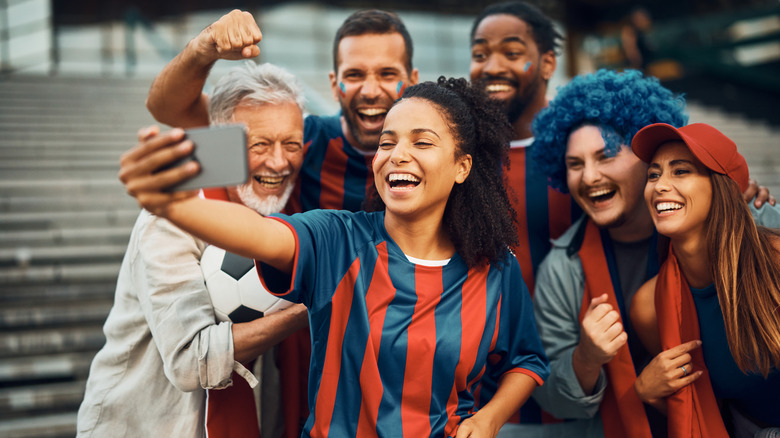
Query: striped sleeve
<point>518,347</point>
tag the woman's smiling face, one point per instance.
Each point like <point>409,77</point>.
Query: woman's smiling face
<point>418,160</point>
<point>678,191</point>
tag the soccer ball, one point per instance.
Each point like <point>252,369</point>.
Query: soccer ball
<point>234,287</point>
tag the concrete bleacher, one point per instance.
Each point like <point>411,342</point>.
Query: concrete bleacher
<point>64,223</point>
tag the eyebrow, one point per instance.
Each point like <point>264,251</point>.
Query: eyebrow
<point>673,163</point>
<point>414,131</point>
<point>602,151</point>
<point>424,130</point>
<point>509,39</point>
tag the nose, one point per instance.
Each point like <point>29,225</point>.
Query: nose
<point>662,183</point>
<point>371,87</point>
<point>493,66</point>
<point>276,160</point>
<point>400,153</point>
<point>591,173</point>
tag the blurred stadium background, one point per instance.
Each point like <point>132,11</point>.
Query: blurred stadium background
<point>74,76</point>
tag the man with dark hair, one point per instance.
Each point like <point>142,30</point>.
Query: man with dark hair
<point>513,48</point>
<point>372,65</point>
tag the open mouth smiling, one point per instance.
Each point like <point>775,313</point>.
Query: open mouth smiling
<point>499,88</point>
<point>403,181</point>
<point>372,115</point>
<point>601,195</point>
<point>663,207</point>
<point>270,182</point>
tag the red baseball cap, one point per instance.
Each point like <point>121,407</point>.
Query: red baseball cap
<point>710,146</point>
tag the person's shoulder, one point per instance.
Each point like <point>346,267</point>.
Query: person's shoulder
<point>325,216</point>
<point>150,226</point>
<point>572,236</point>
<point>326,124</point>
<point>768,215</point>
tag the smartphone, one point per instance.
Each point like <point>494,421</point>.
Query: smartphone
<point>222,155</point>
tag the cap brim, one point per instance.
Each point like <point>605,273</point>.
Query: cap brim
<point>647,140</point>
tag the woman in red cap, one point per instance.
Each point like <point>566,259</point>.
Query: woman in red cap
<point>719,287</point>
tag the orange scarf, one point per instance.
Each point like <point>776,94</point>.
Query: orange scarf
<point>693,410</point>
<point>622,413</point>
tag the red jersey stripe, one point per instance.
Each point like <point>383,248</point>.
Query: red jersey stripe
<point>334,167</point>
<point>559,208</point>
<point>529,373</point>
<point>326,393</point>
<point>515,178</point>
<point>415,410</point>
<point>377,300</point>
<point>370,175</point>
<point>473,314</point>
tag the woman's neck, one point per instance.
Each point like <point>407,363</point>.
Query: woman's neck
<point>422,239</point>
<point>691,252</point>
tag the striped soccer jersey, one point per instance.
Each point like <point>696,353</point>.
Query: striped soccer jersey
<point>543,213</point>
<point>334,174</point>
<point>399,348</point>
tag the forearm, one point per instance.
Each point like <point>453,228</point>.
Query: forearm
<point>235,228</point>
<point>176,96</point>
<point>586,371</point>
<point>251,339</point>
<point>562,395</point>
<point>513,391</point>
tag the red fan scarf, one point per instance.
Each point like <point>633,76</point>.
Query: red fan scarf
<point>622,413</point>
<point>693,410</point>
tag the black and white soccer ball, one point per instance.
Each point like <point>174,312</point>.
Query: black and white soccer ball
<point>234,287</point>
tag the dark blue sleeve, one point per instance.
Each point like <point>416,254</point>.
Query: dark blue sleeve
<point>322,239</point>
<point>518,348</point>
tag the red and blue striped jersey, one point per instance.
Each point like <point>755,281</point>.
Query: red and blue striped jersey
<point>543,213</point>
<point>334,174</point>
<point>399,348</point>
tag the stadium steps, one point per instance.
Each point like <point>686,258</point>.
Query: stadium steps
<point>64,224</point>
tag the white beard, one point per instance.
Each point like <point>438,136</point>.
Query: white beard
<point>268,205</point>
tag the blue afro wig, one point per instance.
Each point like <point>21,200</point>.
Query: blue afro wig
<point>620,104</point>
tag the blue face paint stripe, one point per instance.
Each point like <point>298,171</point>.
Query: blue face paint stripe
<point>399,88</point>
<point>343,88</point>
<point>527,67</point>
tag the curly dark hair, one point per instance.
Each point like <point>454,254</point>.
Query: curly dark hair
<point>478,217</point>
<point>373,22</point>
<point>619,104</point>
<point>544,33</point>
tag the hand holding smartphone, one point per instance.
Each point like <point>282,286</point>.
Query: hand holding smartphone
<point>222,155</point>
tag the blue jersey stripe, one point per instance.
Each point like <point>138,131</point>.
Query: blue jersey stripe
<point>537,212</point>
<point>392,359</point>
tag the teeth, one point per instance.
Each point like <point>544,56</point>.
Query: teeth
<point>497,88</point>
<point>598,193</point>
<point>372,111</point>
<point>270,180</point>
<point>666,206</point>
<point>402,177</point>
